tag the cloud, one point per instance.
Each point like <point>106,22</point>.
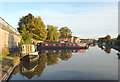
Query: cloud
<point>84,21</point>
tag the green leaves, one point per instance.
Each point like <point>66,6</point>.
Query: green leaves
<point>53,33</point>
<point>31,27</point>
<point>65,31</point>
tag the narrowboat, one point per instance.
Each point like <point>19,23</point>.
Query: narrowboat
<point>47,45</point>
<point>29,49</point>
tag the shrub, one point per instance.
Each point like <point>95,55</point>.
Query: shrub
<point>5,52</point>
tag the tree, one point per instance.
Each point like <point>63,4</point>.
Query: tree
<point>39,29</point>
<point>31,26</point>
<point>65,32</point>
<point>26,37</point>
<point>25,20</point>
<point>118,38</point>
<point>108,37</point>
<point>53,33</point>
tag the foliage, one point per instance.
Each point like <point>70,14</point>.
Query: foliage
<point>39,29</point>
<point>105,39</point>
<point>52,59</point>
<point>108,37</point>
<point>5,52</point>
<point>26,36</point>
<point>118,38</point>
<point>65,56</point>
<point>31,27</point>
<point>65,31</point>
<point>101,40</point>
<point>53,33</point>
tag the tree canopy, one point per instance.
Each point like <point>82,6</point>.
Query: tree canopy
<point>31,26</point>
<point>65,31</point>
<point>53,33</point>
<point>108,37</point>
<point>118,38</point>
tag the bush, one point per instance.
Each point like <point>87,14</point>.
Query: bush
<point>5,52</point>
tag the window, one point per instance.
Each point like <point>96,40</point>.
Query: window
<point>46,44</point>
<point>73,44</point>
<point>53,44</point>
<point>23,49</point>
<point>30,48</point>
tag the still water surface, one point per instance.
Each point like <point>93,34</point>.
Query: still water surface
<point>90,64</point>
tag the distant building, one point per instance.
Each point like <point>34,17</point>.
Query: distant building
<point>76,39</point>
<point>69,39</point>
<point>87,40</point>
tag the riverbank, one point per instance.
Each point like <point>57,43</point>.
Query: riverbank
<point>7,72</point>
<point>9,62</point>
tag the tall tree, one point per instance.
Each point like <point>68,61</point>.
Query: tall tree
<point>108,37</point>
<point>25,20</point>
<point>34,27</point>
<point>53,33</point>
<point>39,29</point>
<point>118,38</point>
<point>65,31</point>
<point>26,37</point>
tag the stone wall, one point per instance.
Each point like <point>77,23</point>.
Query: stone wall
<point>8,38</point>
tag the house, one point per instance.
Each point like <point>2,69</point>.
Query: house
<point>68,39</point>
<point>76,39</point>
<point>87,40</point>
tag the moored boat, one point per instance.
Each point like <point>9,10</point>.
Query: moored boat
<point>29,49</point>
<point>51,45</point>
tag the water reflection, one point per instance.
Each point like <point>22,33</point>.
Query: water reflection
<point>46,58</point>
<point>106,48</point>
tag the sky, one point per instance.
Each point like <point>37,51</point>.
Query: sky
<point>85,19</point>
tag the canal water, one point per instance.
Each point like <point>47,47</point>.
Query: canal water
<point>93,63</point>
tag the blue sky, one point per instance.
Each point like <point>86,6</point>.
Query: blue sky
<point>85,19</point>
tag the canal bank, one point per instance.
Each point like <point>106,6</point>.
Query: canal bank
<point>9,62</point>
<point>7,72</point>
